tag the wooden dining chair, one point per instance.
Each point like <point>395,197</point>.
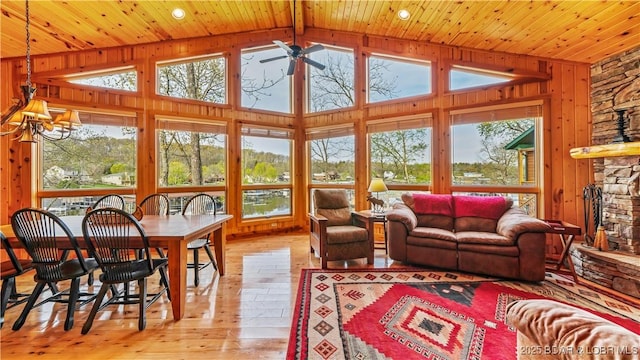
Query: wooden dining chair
<point>155,204</point>
<point>109,201</point>
<point>200,204</point>
<point>115,238</point>
<point>48,241</point>
<point>10,269</point>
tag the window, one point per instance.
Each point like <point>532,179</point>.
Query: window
<point>461,77</point>
<point>120,79</point>
<point>331,155</point>
<point>191,153</point>
<point>99,155</point>
<point>498,147</point>
<point>266,172</point>
<point>265,86</point>
<point>400,151</point>
<point>333,87</point>
<point>394,78</point>
<point>202,78</point>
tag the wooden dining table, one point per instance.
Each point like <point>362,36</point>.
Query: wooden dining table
<point>172,232</point>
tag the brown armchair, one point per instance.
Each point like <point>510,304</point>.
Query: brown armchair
<point>337,233</point>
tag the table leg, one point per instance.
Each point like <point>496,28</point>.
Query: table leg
<point>566,244</point>
<point>219,244</point>
<point>178,277</point>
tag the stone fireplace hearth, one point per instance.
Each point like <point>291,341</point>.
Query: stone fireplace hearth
<point>615,85</point>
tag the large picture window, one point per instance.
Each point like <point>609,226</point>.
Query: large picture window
<point>266,172</point>
<point>331,155</point>
<point>498,148</point>
<point>400,151</point>
<point>191,153</point>
<point>99,155</point>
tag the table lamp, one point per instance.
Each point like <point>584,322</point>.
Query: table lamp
<point>377,185</point>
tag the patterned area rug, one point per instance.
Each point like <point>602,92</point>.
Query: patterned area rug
<point>420,314</point>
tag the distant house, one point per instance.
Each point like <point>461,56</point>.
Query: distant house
<point>525,145</point>
<point>119,179</point>
<point>56,174</point>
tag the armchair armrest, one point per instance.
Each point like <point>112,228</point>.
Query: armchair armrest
<point>317,225</point>
<point>363,220</point>
<point>515,222</point>
<point>402,213</point>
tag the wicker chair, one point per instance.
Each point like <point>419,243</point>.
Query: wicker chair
<point>48,242</point>
<point>115,238</point>
<point>337,233</point>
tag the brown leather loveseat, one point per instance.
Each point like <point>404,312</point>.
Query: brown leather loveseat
<point>478,234</point>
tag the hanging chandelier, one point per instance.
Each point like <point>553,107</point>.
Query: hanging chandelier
<point>29,119</point>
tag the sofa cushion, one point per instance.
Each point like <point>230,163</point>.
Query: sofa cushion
<point>435,221</point>
<point>484,238</point>
<point>433,233</point>
<point>471,223</point>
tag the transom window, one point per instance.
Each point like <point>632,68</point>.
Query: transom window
<point>202,78</point>
<point>333,87</point>
<point>394,78</point>
<point>121,78</point>
<point>265,86</point>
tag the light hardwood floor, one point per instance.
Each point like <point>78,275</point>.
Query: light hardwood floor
<point>245,314</point>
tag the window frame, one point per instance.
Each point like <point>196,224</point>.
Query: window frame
<point>270,132</point>
<point>535,188</point>
<point>40,193</point>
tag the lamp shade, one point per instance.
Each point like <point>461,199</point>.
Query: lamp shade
<point>377,185</point>
<point>37,110</point>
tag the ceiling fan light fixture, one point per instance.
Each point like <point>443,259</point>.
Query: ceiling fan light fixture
<point>404,14</point>
<point>178,13</point>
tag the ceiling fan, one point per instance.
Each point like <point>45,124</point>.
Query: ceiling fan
<point>295,52</point>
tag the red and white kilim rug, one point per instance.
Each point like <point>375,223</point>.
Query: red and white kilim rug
<point>400,313</point>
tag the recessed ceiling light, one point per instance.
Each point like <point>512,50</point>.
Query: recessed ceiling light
<point>178,14</point>
<point>404,14</point>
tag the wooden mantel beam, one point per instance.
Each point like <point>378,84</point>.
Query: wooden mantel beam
<point>608,150</point>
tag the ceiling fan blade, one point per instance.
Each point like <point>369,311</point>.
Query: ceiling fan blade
<point>314,48</point>
<point>273,58</point>
<point>283,45</point>
<point>313,63</point>
<point>292,67</point>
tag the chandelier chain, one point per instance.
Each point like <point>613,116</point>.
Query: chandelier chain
<point>28,44</point>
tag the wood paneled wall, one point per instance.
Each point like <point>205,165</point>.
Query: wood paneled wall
<point>563,86</point>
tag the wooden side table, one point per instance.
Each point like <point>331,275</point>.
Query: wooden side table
<point>567,232</point>
<point>378,218</point>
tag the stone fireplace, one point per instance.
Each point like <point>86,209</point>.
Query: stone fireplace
<point>615,85</point>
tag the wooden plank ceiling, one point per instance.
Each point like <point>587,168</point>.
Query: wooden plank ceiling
<point>582,31</point>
